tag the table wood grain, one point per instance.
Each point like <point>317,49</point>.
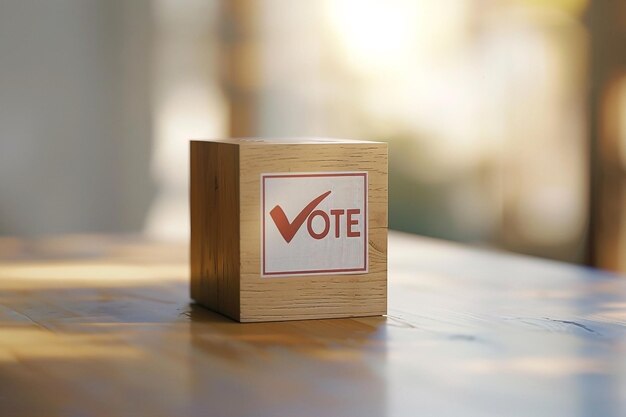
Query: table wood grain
<point>103,326</point>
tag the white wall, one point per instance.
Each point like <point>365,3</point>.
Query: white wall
<point>75,128</point>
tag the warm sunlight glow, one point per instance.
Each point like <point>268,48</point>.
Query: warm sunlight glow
<point>100,274</point>
<point>34,344</point>
<point>373,34</point>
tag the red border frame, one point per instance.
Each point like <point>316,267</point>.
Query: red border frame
<point>317,271</point>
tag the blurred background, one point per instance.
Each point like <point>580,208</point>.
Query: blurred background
<point>506,119</point>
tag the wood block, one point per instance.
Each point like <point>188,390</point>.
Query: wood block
<point>289,229</point>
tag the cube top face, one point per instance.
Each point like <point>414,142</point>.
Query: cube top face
<point>289,229</point>
<point>286,141</point>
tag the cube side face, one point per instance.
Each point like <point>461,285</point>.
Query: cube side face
<point>214,215</point>
<point>277,184</point>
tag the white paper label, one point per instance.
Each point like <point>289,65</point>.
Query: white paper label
<point>313,223</point>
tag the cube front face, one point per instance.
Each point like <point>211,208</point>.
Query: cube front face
<point>312,230</point>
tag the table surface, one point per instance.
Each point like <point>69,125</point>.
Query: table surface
<point>103,326</point>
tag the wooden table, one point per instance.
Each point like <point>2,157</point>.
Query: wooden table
<point>103,326</point>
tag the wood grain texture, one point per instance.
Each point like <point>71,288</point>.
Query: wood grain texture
<point>324,296</point>
<point>303,297</point>
<point>102,326</point>
<point>214,206</point>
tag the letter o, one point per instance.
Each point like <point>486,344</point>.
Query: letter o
<point>309,224</point>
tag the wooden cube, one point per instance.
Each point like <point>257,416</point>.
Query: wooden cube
<point>289,229</point>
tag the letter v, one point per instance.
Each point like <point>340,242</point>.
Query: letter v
<point>288,230</point>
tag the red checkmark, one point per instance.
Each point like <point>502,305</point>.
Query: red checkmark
<point>288,230</point>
